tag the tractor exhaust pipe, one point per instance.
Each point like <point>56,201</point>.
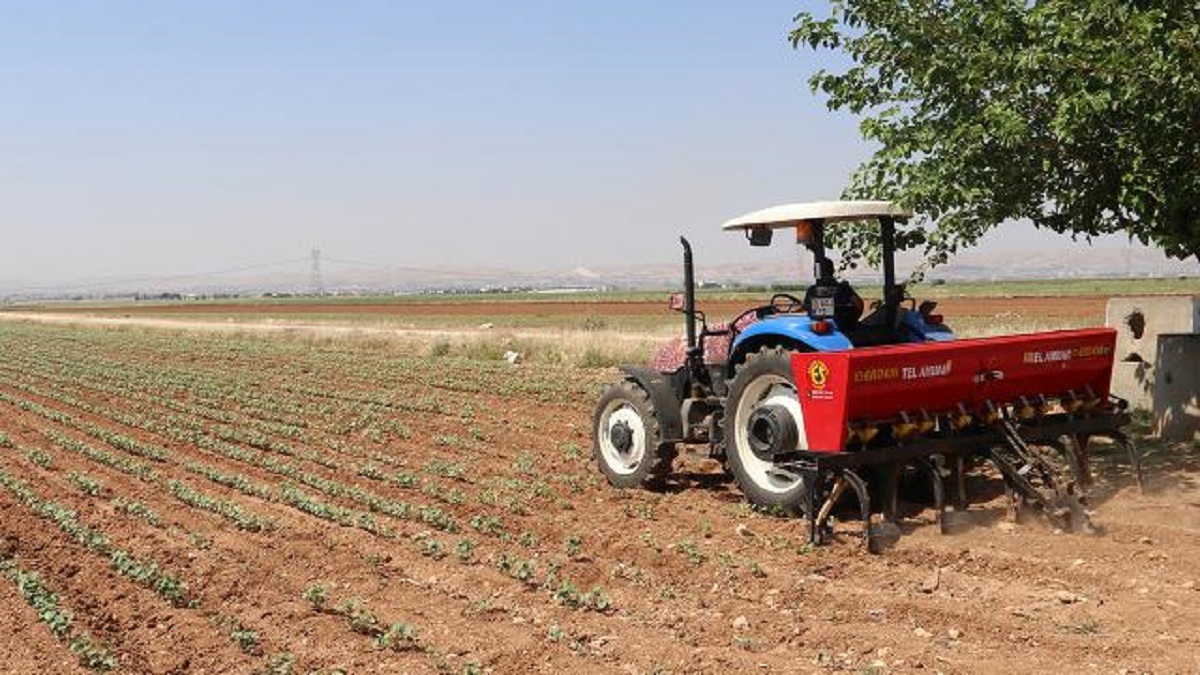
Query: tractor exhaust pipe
<point>689,294</point>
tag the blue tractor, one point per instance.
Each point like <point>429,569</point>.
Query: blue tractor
<point>804,398</point>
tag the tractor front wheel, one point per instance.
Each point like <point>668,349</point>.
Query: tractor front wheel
<point>627,444</point>
<point>762,417</point>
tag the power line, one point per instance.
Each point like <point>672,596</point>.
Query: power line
<point>113,281</point>
<point>316,259</point>
<point>377,265</point>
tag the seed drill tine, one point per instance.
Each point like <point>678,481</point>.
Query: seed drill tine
<point>1062,506</point>
<point>839,486</point>
<point>939,491</point>
<point>1013,501</point>
<point>960,483</point>
<point>891,479</point>
<point>1014,480</point>
<point>952,468</point>
<point>1031,462</point>
<point>877,536</point>
<point>815,478</point>
<point>1135,458</point>
<point>1077,446</point>
<point>859,486</point>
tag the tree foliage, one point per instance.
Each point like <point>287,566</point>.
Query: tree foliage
<point>1082,116</point>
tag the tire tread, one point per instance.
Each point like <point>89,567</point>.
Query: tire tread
<point>751,491</point>
<point>655,468</point>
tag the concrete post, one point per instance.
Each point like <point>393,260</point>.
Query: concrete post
<point>1139,321</point>
<point>1177,387</point>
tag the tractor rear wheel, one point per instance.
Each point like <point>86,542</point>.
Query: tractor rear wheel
<point>762,417</point>
<point>627,443</point>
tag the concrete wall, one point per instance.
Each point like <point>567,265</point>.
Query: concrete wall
<point>1139,321</point>
<point>1177,387</point>
<point>1134,382</point>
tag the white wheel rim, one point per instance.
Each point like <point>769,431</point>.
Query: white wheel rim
<point>766,390</point>
<point>615,413</point>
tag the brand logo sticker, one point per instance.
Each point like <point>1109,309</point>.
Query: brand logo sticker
<point>818,374</point>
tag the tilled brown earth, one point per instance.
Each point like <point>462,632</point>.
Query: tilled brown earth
<point>684,580</point>
<point>28,646</point>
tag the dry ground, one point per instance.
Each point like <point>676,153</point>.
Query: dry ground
<point>686,580</point>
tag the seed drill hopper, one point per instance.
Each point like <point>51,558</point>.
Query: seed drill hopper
<point>817,402</point>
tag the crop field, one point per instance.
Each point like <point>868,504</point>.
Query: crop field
<point>589,327</point>
<point>296,501</point>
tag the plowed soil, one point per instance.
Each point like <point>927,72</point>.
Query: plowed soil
<point>398,459</point>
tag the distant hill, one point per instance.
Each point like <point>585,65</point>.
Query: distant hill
<point>969,266</point>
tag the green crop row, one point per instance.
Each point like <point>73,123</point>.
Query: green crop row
<point>228,510</point>
<point>144,572</point>
<point>59,620</point>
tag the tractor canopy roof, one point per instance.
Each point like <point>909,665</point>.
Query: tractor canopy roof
<point>791,215</point>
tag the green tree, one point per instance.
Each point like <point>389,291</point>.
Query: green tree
<point>1082,116</point>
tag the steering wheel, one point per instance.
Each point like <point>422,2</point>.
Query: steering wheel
<point>793,303</point>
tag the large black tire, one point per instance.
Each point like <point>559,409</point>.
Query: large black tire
<point>627,443</point>
<point>764,379</point>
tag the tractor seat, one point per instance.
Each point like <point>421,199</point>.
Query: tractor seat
<point>718,338</point>
<point>873,330</point>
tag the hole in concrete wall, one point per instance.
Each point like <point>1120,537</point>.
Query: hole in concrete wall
<point>1137,323</point>
<point>1134,358</point>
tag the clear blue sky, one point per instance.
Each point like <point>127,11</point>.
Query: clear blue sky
<point>153,138</point>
